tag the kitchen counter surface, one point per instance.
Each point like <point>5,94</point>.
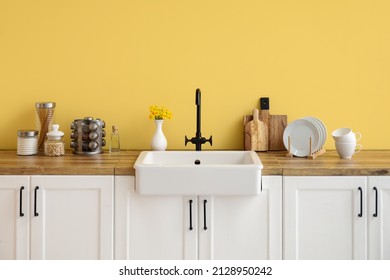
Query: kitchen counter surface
<point>370,162</point>
<point>364,163</point>
<point>69,164</point>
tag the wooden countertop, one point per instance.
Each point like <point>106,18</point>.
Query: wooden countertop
<point>364,163</point>
<point>370,162</point>
<point>69,164</point>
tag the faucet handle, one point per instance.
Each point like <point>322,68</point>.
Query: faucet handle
<point>186,140</point>
<point>210,140</point>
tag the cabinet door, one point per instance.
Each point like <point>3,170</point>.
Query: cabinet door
<point>72,217</point>
<point>324,217</point>
<point>14,213</point>
<point>379,217</point>
<point>153,227</point>
<point>242,227</point>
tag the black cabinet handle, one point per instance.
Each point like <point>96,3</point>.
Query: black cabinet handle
<point>21,214</point>
<point>35,201</point>
<point>190,205</point>
<point>361,202</point>
<point>204,214</point>
<point>376,202</point>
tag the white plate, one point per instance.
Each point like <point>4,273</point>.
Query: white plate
<point>321,128</point>
<point>300,132</point>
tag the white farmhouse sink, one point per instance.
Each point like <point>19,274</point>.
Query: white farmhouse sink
<point>198,173</point>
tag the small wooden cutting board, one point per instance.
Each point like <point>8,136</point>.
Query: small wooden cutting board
<point>277,124</point>
<point>256,134</point>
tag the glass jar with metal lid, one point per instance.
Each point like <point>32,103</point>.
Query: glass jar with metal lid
<point>44,119</point>
<point>27,143</point>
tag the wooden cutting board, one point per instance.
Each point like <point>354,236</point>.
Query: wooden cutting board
<point>256,134</point>
<point>277,124</point>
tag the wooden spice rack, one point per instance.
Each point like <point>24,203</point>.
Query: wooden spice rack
<point>312,154</point>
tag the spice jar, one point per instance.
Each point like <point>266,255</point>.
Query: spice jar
<point>27,142</point>
<point>54,145</point>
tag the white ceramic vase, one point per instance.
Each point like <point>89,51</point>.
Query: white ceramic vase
<point>159,142</point>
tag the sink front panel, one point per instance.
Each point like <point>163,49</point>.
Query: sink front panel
<point>198,173</point>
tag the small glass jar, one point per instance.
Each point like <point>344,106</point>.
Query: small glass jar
<point>27,143</point>
<point>54,145</point>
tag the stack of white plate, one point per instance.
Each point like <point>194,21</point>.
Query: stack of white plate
<point>300,131</point>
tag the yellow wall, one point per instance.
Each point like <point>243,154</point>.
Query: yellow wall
<point>112,59</point>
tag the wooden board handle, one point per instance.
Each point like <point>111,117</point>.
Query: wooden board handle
<point>256,115</point>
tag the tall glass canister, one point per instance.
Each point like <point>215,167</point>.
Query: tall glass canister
<point>44,119</point>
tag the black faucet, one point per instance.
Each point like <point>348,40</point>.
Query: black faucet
<point>198,140</point>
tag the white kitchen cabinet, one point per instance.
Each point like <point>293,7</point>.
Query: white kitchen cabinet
<point>75,217</point>
<point>65,217</point>
<point>198,227</point>
<point>378,216</point>
<point>14,215</point>
<point>147,227</point>
<point>325,217</point>
<point>245,227</point>
<point>337,217</point>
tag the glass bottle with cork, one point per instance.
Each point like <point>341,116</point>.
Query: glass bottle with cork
<point>115,146</point>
